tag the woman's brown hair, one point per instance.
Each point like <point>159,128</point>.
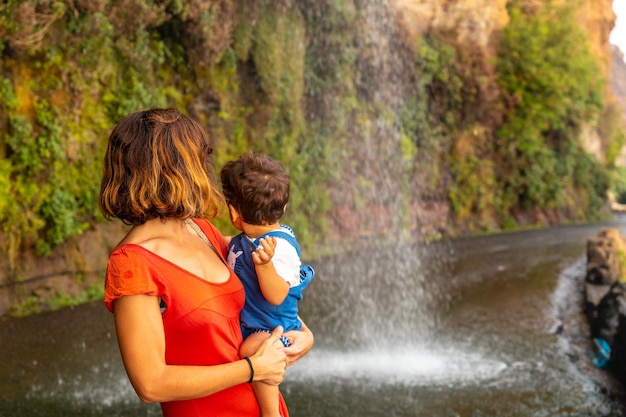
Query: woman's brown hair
<point>158,165</point>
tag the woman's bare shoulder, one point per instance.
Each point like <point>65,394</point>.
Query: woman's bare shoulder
<point>152,235</point>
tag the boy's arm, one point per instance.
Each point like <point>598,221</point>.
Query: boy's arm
<point>273,286</point>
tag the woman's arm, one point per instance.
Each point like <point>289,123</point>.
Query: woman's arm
<point>301,343</point>
<point>141,340</point>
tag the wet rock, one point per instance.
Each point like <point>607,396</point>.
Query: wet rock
<point>603,265</point>
<point>618,352</point>
<point>605,304</point>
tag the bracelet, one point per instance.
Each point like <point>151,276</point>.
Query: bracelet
<point>251,369</point>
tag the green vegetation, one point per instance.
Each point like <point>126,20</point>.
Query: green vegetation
<point>260,82</point>
<point>431,114</point>
<point>56,111</point>
<point>36,303</point>
<point>451,120</point>
<point>503,139</point>
<point>57,108</point>
<point>551,80</point>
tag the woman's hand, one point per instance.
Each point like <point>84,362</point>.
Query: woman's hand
<point>301,343</point>
<point>270,361</point>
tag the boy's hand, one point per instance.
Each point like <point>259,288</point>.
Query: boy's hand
<point>264,253</point>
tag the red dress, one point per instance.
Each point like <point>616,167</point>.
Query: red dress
<point>201,321</point>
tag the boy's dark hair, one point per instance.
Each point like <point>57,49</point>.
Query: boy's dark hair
<point>257,186</point>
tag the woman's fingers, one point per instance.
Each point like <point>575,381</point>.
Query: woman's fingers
<point>274,358</point>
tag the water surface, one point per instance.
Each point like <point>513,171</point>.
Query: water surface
<point>463,329</point>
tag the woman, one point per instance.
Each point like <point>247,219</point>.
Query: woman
<point>176,304</point>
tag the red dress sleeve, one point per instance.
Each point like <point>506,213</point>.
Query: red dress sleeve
<point>129,274</point>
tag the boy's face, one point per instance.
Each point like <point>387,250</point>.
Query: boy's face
<point>235,218</point>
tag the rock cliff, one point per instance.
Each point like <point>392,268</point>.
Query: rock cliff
<point>617,78</point>
<point>479,22</point>
<point>598,19</point>
<point>475,21</point>
<point>364,76</point>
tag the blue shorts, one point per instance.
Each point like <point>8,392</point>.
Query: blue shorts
<point>285,341</point>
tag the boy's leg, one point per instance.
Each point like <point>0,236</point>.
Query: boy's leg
<point>266,395</point>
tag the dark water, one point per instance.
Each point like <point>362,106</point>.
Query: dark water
<point>462,329</point>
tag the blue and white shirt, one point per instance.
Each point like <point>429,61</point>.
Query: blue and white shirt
<point>258,314</point>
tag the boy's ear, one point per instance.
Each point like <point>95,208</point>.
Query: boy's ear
<point>234,214</point>
<point>285,209</point>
